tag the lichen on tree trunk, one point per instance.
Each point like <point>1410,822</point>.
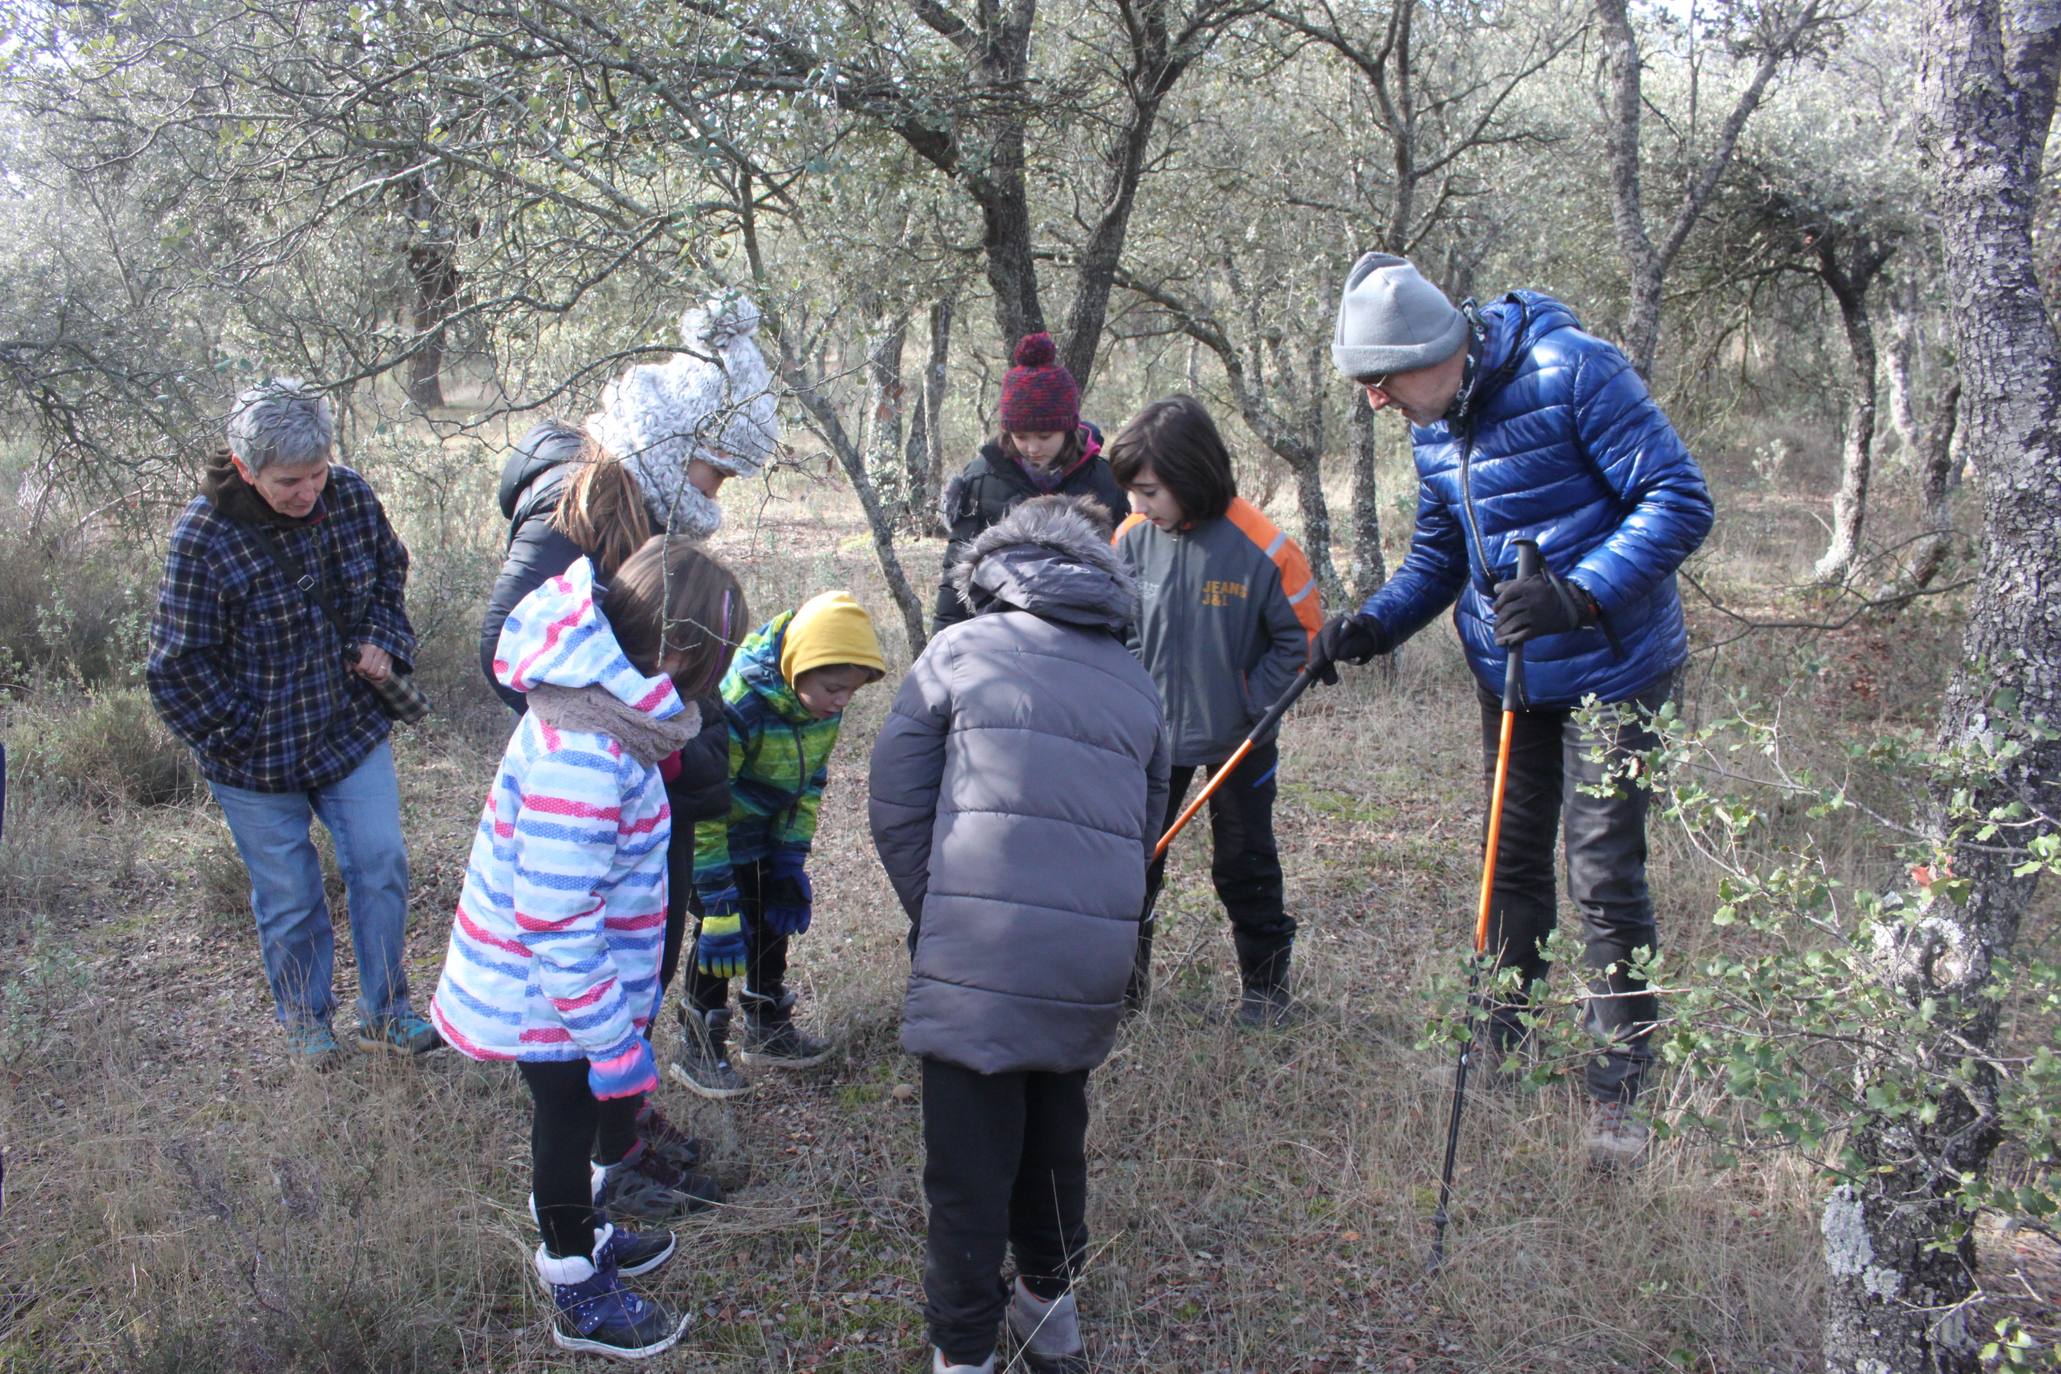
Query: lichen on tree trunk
<point>1898,1295</point>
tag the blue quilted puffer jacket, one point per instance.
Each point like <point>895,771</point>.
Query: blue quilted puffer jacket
<point>1562,445</point>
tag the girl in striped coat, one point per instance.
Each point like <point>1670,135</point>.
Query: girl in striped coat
<point>554,954</point>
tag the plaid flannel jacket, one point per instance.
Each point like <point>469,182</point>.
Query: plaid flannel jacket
<point>244,665</point>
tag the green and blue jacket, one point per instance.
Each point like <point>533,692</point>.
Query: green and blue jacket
<point>779,762</point>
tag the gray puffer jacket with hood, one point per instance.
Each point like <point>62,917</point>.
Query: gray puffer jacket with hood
<point>1015,792</point>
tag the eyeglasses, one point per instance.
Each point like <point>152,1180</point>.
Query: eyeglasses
<point>1380,383</point>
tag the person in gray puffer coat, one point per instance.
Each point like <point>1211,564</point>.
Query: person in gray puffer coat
<point>1015,792</point>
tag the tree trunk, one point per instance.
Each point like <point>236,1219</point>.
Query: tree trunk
<point>1895,1300</point>
<point>1316,528</point>
<point>1849,282</point>
<point>885,396</point>
<point>1640,333</point>
<point>1899,360</point>
<point>824,417</point>
<point>1370,568</point>
<point>1935,495</point>
<point>933,416</point>
<point>433,274</point>
<point>1647,260</point>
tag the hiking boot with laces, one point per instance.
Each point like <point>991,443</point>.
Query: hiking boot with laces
<point>771,1039</point>
<point>671,1144</point>
<point>403,1033</point>
<point>642,1187</point>
<point>702,1065</point>
<point>312,1045</point>
<point>1616,1139</point>
<point>598,1315</point>
<point>1047,1331</point>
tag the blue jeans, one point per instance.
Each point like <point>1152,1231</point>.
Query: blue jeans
<point>362,813</point>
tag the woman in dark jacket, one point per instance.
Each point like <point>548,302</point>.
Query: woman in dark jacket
<point>650,460</point>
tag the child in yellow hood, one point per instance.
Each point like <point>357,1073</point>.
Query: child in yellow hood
<point>785,697</point>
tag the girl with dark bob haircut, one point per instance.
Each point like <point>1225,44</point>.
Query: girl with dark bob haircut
<point>1176,440</point>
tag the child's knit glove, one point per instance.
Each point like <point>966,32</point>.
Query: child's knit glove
<point>624,1071</point>
<point>720,951</point>
<point>787,901</point>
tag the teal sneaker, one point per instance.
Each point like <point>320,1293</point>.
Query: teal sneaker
<point>313,1046</point>
<point>403,1033</point>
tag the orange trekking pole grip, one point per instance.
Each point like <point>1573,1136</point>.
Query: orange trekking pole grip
<point>1230,765</point>
<point>1513,698</point>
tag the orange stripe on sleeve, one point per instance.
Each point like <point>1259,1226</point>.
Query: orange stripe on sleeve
<point>1287,556</point>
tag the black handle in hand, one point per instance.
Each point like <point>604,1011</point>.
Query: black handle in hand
<point>1281,704</point>
<point>1513,671</point>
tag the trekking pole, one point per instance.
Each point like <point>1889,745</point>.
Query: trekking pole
<point>1230,765</point>
<point>1513,694</point>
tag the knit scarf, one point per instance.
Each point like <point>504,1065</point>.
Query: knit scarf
<point>1047,480</point>
<point>595,709</point>
<point>679,510</point>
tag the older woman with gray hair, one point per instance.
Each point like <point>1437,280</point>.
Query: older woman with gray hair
<point>281,606</point>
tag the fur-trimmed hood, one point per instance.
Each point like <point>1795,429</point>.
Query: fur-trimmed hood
<point>1050,556</point>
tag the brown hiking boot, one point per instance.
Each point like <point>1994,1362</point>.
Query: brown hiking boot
<point>1616,1139</point>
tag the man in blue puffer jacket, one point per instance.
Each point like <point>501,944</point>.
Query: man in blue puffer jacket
<point>1527,428</point>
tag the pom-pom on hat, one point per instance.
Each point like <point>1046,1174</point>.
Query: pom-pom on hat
<point>714,402</point>
<point>829,630</point>
<point>1039,396</point>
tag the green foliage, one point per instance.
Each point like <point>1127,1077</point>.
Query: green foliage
<point>1833,1007</point>
<point>51,979</point>
<point>108,752</point>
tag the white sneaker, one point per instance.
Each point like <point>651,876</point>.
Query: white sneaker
<point>1047,1333</point>
<point>938,1365</point>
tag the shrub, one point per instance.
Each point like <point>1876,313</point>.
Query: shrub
<point>108,753</point>
<point>75,608</point>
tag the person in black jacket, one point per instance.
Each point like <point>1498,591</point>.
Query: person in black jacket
<point>1043,449</point>
<point>650,460</point>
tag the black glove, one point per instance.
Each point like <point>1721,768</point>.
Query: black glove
<point>1344,639</point>
<point>1540,605</point>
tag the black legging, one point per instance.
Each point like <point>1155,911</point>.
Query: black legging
<point>564,1128</point>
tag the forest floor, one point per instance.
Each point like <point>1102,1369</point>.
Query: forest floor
<point>1259,1203</point>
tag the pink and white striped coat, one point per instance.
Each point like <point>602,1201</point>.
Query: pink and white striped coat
<point>555,947</point>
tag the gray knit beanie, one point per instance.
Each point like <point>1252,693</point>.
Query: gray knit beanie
<point>1391,319</point>
<point>714,402</point>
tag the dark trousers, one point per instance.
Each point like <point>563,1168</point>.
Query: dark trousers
<point>563,1129</point>
<point>1005,1166</point>
<point>1606,873</point>
<point>765,969</point>
<point>1245,864</point>
<point>679,893</point>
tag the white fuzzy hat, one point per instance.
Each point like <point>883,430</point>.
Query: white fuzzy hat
<point>718,406</point>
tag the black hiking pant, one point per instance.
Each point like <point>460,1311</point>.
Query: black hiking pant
<point>567,1123</point>
<point>765,954</point>
<point>1606,873</point>
<point>1005,1167</point>
<point>1244,865</point>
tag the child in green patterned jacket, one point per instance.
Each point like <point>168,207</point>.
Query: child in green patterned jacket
<point>785,697</point>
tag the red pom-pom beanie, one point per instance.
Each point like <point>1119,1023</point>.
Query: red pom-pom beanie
<point>1039,396</point>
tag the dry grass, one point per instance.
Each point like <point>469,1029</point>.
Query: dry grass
<point>182,1201</point>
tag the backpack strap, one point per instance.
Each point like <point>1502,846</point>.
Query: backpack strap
<point>310,585</point>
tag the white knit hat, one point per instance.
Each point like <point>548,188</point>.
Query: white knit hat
<point>717,406</point>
